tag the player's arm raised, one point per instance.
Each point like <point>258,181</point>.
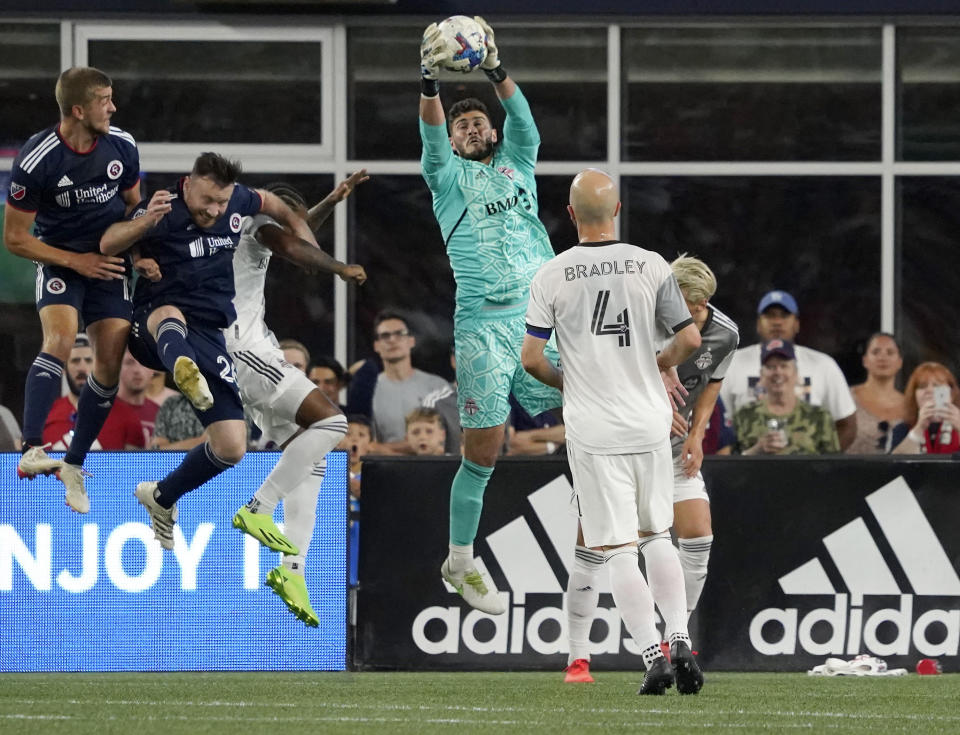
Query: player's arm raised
<point>432,52</point>
<point>121,235</point>
<point>307,255</point>
<point>319,212</point>
<point>275,207</point>
<point>20,241</point>
<point>502,83</point>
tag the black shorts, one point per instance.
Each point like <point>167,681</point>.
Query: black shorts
<point>212,359</point>
<point>93,298</point>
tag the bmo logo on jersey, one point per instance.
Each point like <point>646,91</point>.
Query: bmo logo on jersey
<point>114,169</point>
<point>235,221</point>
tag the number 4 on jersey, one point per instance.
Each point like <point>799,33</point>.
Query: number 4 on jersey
<point>620,328</point>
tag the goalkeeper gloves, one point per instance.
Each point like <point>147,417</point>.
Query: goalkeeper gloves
<point>491,65</point>
<point>432,51</point>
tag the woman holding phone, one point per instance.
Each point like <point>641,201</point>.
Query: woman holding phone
<point>933,411</point>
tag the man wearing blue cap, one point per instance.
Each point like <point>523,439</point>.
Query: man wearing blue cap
<point>820,381</point>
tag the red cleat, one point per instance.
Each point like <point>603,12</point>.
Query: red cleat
<point>578,672</point>
<point>665,647</point>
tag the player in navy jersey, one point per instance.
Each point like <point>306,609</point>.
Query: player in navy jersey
<point>185,240</point>
<point>71,182</point>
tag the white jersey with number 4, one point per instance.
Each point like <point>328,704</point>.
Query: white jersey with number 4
<point>607,301</point>
<point>250,263</point>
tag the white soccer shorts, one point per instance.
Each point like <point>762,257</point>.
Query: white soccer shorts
<point>272,390</point>
<point>687,488</point>
<point>620,494</point>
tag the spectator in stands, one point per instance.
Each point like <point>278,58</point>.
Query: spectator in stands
<point>880,406</point>
<point>132,390</point>
<point>158,391</point>
<point>122,428</point>
<point>295,353</point>
<point>177,426</point>
<point>719,437</point>
<point>933,411</point>
<point>531,435</point>
<point>10,439</point>
<point>444,402</point>
<point>781,423</point>
<point>400,387</point>
<point>357,444</point>
<point>426,434</point>
<point>329,376</point>
<point>820,380</point>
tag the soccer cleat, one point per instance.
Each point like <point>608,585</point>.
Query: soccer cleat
<point>190,381</point>
<point>578,672</point>
<point>292,589</point>
<point>75,495</point>
<point>475,587</point>
<point>161,519</point>
<point>686,670</point>
<point>658,678</point>
<point>665,647</point>
<point>35,462</point>
<point>264,530</point>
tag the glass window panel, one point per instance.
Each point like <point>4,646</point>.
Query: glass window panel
<point>929,93</point>
<point>751,94</point>
<point>215,91</point>
<point>30,64</point>
<point>817,237</point>
<point>299,305</point>
<point>929,310</point>
<point>562,72</point>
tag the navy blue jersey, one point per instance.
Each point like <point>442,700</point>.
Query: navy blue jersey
<point>76,195</point>
<point>196,264</point>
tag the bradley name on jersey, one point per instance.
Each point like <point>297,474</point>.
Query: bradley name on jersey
<point>196,264</point>
<point>624,267</point>
<point>74,193</point>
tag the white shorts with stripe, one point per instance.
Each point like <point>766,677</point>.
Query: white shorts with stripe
<point>272,390</point>
<point>620,494</point>
<point>687,488</point>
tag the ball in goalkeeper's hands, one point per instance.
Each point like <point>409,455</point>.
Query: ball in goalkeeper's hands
<point>466,43</point>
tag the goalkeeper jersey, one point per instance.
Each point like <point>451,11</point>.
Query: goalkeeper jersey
<point>488,212</point>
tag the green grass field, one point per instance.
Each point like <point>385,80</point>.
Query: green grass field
<point>293,703</point>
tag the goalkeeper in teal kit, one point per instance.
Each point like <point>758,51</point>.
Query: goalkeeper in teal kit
<point>485,200</point>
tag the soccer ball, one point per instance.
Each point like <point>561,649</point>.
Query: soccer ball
<point>466,42</point>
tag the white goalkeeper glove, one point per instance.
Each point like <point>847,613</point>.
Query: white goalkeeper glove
<point>491,65</point>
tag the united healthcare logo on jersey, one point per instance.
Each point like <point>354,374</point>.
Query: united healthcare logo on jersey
<point>920,615</point>
<point>96,592</point>
<point>535,619</point>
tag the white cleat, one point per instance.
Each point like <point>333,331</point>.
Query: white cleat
<point>475,587</point>
<point>35,462</point>
<point>76,494</point>
<point>162,519</point>
<point>190,381</point>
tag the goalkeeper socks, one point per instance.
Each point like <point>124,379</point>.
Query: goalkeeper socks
<point>42,388</point>
<point>200,465</point>
<point>466,501</point>
<point>172,343</point>
<point>632,597</point>
<point>694,557</point>
<point>93,407</point>
<point>582,598</point>
<point>666,581</point>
